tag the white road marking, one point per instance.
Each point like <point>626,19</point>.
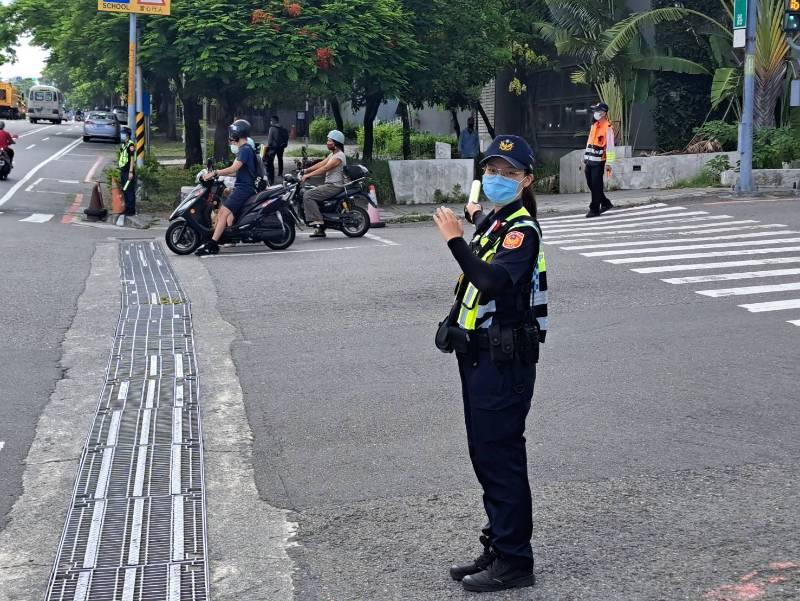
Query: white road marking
<point>726,253</point>
<point>731,244</point>
<point>8,195</point>
<point>793,303</point>
<point>174,582</point>
<point>586,230</point>
<point>38,218</point>
<point>678,240</point>
<point>383,241</point>
<point>611,216</point>
<point>592,225</point>
<point>723,277</point>
<point>68,181</point>
<point>153,365</point>
<point>592,236</point>
<point>45,139</point>
<point>2,444</point>
<point>34,184</point>
<point>719,265</point>
<point>58,133</point>
<point>280,252</point>
<point>29,147</point>
<point>178,365</point>
<point>795,322</point>
<point>35,131</point>
<point>639,208</point>
<point>720,292</point>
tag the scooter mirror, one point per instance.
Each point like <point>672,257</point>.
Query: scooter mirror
<point>209,164</point>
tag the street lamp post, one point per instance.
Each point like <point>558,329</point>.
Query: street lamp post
<point>746,129</point>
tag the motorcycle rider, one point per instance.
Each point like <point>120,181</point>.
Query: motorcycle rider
<point>333,168</point>
<point>245,169</point>
<point>6,140</point>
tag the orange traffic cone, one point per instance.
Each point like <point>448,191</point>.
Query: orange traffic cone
<point>374,214</point>
<point>96,211</point>
<point>117,200</point>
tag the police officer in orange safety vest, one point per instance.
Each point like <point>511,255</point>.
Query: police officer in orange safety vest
<point>599,156</point>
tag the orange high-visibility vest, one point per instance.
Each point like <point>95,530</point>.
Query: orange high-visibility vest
<point>600,146</point>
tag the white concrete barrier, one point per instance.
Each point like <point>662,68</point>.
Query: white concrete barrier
<point>415,182</point>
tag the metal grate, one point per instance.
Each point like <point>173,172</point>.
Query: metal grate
<point>136,527</point>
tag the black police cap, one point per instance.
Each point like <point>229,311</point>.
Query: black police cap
<point>513,149</point>
<point>600,106</point>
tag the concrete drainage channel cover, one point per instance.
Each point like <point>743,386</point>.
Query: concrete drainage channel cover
<point>136,528</point>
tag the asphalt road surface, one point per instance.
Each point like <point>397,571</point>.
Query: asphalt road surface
<point>662,441</point>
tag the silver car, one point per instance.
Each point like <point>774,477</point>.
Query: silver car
<point>122,114</point>
<point>101,124</point>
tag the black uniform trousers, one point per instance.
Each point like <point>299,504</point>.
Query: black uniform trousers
<point>271,154</point>
<point>130,192</point>
<point>594,179</point>
<point>497,399</point>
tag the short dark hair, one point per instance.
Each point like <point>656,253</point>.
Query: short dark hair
<point>275,118</point>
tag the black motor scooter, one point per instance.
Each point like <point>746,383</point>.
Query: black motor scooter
<point>345,211</point>
<point>5,164</point>
<point>265,217</point>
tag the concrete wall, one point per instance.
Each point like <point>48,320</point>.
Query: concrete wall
<point>784,179</point>
<point>416,181</point>
<point>638,173</point>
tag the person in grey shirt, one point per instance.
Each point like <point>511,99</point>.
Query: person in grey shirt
<point>333,168</point>
<point>469,145</point>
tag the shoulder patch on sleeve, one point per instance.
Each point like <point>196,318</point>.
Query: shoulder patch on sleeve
<point>513,240</point>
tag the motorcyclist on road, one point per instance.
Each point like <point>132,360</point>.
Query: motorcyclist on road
<point>6,140</point>
<point>246,170</point>
<point>333,168</point>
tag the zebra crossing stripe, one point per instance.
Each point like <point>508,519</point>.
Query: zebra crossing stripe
<point>722,277</point>
<point>586,230</point>
<point>792,303</point>
<point>623,222</point>
<point>795,322</point>
<point>678,240</point>
<point>718,265</point>
<point>630,251</point>
<point>613,215</point>
<point>616,211</point>
<point>726,253</point>
<point>750,290</point>
<point>38,218</point>
<point>577,238</point>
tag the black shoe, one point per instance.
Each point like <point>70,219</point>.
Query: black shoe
<point>319,232</point>
<point>499,576</point>
<point>209,248</point>
<point>593,214</point>
<point>606,207</point>
<point>457,572</point>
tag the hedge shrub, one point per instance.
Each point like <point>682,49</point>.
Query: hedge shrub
<point>388,142</point>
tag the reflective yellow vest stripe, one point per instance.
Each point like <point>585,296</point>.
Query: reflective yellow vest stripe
<point>123,154</point>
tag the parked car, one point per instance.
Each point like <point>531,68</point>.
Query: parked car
<point>101,124</point>
<point>122,114</point>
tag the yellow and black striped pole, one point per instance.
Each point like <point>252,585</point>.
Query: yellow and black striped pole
<point>139,139</point>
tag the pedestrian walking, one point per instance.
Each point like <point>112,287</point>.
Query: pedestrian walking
<point>600,155</point>
<point>277,141</point>
<point>126,162</point>
<point>469,145</point>
<point>495,331</point>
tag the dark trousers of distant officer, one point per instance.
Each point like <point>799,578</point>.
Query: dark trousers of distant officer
<point>594,179</point>
<point>497,398</point>
<point>272,153</point>
<point>129,193</point>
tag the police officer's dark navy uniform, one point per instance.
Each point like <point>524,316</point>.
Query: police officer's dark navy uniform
<point>495,329</point>
<point>126,161</point>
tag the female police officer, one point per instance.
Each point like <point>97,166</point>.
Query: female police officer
<point>494,332</point>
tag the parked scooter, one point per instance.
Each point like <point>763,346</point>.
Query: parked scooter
<point>5,164</point>
<point>265,218</point>
<point>345,211</point>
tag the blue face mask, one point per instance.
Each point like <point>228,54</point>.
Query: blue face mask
<point>500,190</point>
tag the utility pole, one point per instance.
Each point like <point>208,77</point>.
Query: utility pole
<point>746,185</point>
<point>132,72</point>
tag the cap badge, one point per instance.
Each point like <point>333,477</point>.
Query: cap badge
<point>506,145</point>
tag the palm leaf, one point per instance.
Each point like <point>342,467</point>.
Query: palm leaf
<point>672,64</point>
<point>579,17</point>
<point>724,85</point>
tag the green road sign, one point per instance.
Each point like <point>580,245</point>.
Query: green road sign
<point>739,14</point>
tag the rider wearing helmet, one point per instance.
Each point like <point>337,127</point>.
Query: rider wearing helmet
<point>6,140</point>
<point>333,168</point>
<point>246,171</point>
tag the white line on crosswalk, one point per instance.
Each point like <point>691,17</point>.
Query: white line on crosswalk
<point>736,229</point>
<point>725,253</point>
<point>718,265</point>
<point>722,277</point>
<point>671,218</point>
<point>795,322</point>
<point>571,237</point>
<point>586,231</point>
<point>655,249</point>
<point>2,444</point>
<point>29,147</point>
<point>792,303</point>
<point>720,292</point>
<point>38,218</point>
<point>628,209</point>
<point>678,240</point>
<point>614,215</point>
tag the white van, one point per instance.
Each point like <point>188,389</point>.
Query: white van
<point>45,103</point>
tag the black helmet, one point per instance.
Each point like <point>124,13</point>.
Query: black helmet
<point>239,129</point>
<point>125,130</point>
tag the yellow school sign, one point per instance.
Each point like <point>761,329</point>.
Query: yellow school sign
<point>145,7</point>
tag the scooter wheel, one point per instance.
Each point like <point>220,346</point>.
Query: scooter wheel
<point>288,238</point>
<point>355,222</point>
<point>182,238</point>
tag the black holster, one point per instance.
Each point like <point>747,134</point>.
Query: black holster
<point>501,344</point>
<point>529,347</point>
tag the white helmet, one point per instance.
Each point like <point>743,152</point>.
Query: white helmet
<point>336,136</point>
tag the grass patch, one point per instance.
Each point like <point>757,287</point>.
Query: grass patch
<point>167,149</point>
